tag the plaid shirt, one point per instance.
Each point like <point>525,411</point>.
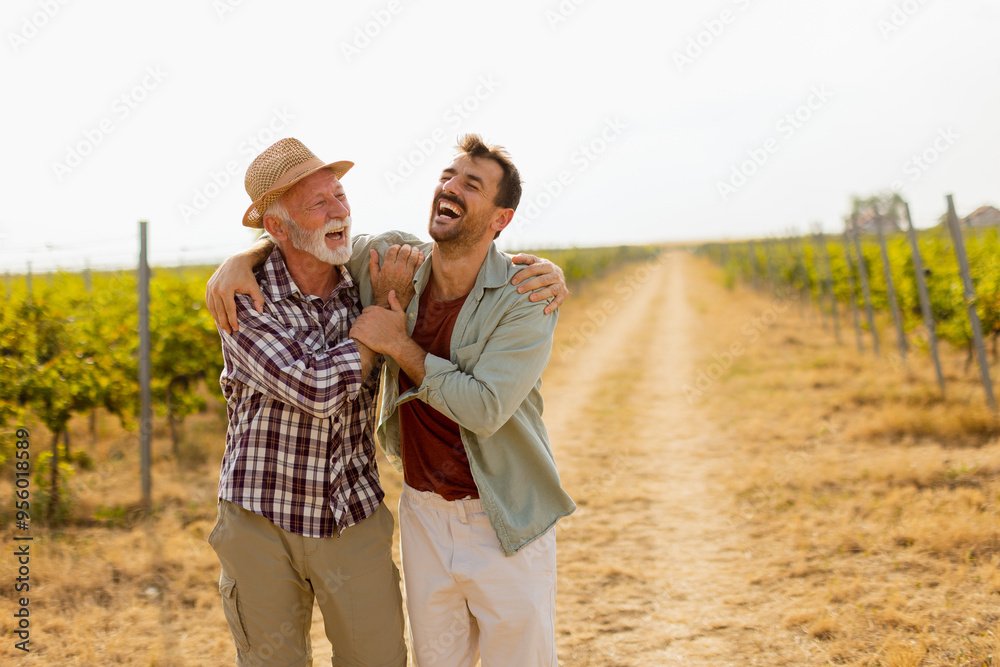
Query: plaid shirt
<point>300,449</point>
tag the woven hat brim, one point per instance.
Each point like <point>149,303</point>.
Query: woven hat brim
<point>254,217</point>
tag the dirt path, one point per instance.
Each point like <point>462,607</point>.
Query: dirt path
<point>650,571</point>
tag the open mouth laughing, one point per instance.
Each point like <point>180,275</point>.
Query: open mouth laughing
<point>337,230</point>
<point>448,210</point>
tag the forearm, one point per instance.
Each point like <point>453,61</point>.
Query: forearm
<point>259,251</point>
<point>410,357</point>
<point>368,358</point>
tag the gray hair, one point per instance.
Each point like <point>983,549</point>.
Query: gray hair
<point>278,210</point>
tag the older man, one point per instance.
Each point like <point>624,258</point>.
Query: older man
<point>462,411</point>
<point>300,512</point>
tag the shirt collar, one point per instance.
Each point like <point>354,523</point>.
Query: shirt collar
<point>276,281</point>
<point>492,273</point>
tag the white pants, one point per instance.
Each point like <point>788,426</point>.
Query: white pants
<point>464,597</point>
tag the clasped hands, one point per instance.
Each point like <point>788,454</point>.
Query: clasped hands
<point>382,325</point>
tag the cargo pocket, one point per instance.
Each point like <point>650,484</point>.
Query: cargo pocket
<point>234,612</point>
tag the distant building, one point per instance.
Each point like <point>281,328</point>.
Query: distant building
<point>984,216</point>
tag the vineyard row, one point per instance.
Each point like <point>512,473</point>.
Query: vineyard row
<point>872,267</point>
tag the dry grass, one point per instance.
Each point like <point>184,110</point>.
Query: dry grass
<point>858,511</point>
<point>114,585</point>
<point>879,499</point>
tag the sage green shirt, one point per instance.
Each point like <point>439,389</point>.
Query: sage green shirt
<point>490,387</point>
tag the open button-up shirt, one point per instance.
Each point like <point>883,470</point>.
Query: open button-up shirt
<point>490,385</point>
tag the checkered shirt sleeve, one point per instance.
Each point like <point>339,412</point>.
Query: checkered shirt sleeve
<point>300,448</point>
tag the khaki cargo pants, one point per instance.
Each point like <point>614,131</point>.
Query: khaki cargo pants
<point>270,578</point>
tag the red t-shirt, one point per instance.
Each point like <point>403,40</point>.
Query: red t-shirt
<point>434,457</point>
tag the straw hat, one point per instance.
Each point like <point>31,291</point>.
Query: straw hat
<point>282,165</point>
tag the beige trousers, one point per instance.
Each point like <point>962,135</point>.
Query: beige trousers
<point>270,578</point>
<point>465,599</point>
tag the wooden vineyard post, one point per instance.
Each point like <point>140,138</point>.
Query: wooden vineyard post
<point>925,301</point>
<point>897,318</point>
<point>145,409</point>
<point>753,265</point>
<point>823,261</point>
<point>772,275</point>
<point>853,291</point>
<point>88,286</point>
<point>800,263</point>
<point>793,272</point>
<point>820,278</point>
<point>766,271</point>
<point>865,289</point>
<point>970,303</point>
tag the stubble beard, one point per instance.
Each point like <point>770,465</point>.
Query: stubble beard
<point>456,238</point>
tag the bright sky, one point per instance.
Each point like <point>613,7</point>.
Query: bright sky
<point>630,121</point>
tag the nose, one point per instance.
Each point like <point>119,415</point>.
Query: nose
<point>338,209</point>
<point>451,185</point>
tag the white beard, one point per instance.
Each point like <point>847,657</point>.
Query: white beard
<point>314,242</point>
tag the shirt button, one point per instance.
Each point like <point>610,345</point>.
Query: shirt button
<point>411,316</point>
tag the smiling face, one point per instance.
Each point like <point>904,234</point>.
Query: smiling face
<point>320,217</point>
<point>463,209</point>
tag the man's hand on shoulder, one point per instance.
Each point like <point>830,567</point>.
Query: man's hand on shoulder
<point>395,274</point>
<point>542,278</point>
<point>235,276</point>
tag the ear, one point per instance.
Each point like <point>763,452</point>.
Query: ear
<point>501,220</point>
<point>275,227</point>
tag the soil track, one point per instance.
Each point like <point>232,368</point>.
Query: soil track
<point>811,507</point>
<point>651,572</point>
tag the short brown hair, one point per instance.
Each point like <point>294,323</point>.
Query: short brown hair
<point>509,189</point>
